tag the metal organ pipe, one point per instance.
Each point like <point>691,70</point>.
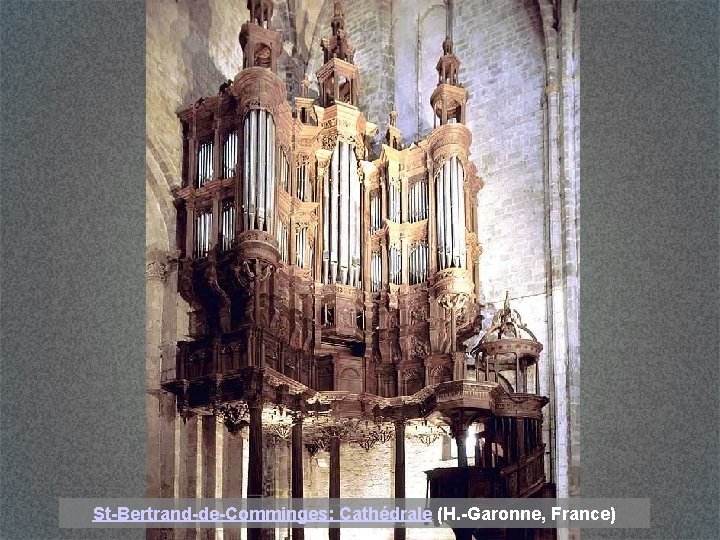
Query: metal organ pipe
<point>259,151</point>
<point>344,212</point>
<point>376,272</point>
<point>245,206</point>
<point>300,240</point>
<point>270,177</point>
<point>450,220</point>
<point>252,147</point>
<point>455,253</point>
<point>440,218</point>
<point>204,163</point>
<point>341,218</point>
<point>461,213</point>
<point>334,207</point>
<point>228,223</point>
<point>262,168</point>
<point>230,154</point>
<point>447,211</point>
<point>426,199</point>
<point>326,227</point>
<point>354,221</point>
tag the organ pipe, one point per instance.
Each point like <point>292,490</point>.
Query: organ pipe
<point>375,211</point>
<point>245,208</point>
<point>282,238</point>
<point>454,203</point>
<point>326,227</point>
<point>334,206</point>
<point>203,228</point>
<point>447,208</point>
<point>418,263</point>
<point>263,162</point>
<point>204,163</point>
<point>230,155</point>
<point>251,145</point>
<point>228,223</point>
<point>342,218</point>
<point>270,178</point>
<point>259,171</point>
<point>395,265</point>
<point>376,271</point>
<point>355,218</point>
<point>302,180</point>
<point>450,218</point>
<point>440,211</point>
<point>344,211</point>
<point>461,213</point>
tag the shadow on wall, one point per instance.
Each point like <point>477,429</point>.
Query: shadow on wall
<point>202,76</point>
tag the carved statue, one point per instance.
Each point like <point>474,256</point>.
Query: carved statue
<point>338,20</point>
<point>447,46</point>
<point>261,11</point>
<point>393,118</point>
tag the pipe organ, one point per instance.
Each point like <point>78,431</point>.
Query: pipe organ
<point>289,225</point>
<point>313,266</point>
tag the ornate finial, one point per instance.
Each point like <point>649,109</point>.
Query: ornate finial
<point>305,87</point>
<point>506,324</point>
<point>447,46</point>
<point>338,45</point>
<point>261,12</point>
<point>393,117</point>
<point>338,20</point>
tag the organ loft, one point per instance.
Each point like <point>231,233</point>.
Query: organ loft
<point>333,291</point>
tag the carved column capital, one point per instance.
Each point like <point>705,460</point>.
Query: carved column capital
<point>157,264</point>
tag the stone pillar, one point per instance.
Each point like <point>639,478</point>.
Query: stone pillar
<point>189,468</point>
<point>255,459</point>
<point>211,451</point>
<point>520,436</point>
<point>232,474</point>
<point>334,491</point>
<point>297,470</point>
<point>399,532</point>
<point>161,276</point>
<point>460,434</point>
<point>271,449</point>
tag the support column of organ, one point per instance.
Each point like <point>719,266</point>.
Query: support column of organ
<point>296,458</point>
<point>334,484</point>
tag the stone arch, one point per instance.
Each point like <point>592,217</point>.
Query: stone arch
<point>160,212</point>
